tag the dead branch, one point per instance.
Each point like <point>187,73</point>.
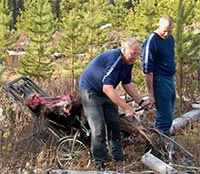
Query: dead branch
<point>134,129</point>
<point>185,167</point>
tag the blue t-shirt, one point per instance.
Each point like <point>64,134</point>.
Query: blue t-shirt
<point>107,68</point>
<point>158,55</point>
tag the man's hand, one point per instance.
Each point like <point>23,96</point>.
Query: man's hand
<point>129,112</point>
<point>146,102</point>
<point>152,102</point>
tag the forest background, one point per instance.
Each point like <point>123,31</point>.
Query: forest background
<point>80,29</point>
<point>56,39</point>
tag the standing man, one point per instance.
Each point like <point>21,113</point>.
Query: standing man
<point>159,69</point>
<point>101,100</point>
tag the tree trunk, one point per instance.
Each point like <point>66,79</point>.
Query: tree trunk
<point>111,2</point>
<point>198,73</point>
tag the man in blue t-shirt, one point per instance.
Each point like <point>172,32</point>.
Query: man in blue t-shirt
<point>159,69</point>
<point>101,100</point>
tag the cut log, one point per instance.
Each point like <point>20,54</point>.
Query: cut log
<point>156,164</point>
<point>180,122</point>
<point>80,172</point>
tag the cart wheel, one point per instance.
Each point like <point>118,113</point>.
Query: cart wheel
<point>73,153</point>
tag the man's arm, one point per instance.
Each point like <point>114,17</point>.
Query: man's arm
<point>130,89</point>
<point>149,84</point>
<point>113,95</point>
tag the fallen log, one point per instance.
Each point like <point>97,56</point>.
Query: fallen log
<point>156,164</point>
<point>180,122</point>
<point>80,172</point>
<point>15,53</point>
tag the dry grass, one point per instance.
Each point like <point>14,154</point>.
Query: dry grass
<point>25,142</point>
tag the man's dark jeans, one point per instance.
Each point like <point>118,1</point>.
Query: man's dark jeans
<point>165,95</point>
<point>102,116</point>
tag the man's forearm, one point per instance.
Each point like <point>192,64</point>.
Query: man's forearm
<point>112,94</point>
<point>149,83</point>
<point>130,89</point>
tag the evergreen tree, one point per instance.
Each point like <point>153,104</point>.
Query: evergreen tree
<point>72,40</point>
<point>56,7</point>
<point>197,31</point>
<point>82,35</point>
<point>141,21</point>
<point>7,36</point>
<point>15,6</point>
<point>38,23</point>
<point>97,25</point>
<point>117,16</point>
<point>187,49</point>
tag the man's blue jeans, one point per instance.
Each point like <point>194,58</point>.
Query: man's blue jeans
<point>103,119</point>
<point>165,95</point>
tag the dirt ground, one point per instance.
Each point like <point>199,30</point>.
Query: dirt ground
<point>26,143</point>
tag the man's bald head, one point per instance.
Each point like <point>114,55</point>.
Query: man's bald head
<point>165,26</point>
<point>166,21</point>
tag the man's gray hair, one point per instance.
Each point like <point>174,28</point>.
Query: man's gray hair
<point>166,21</point>
<point>130,42</point>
